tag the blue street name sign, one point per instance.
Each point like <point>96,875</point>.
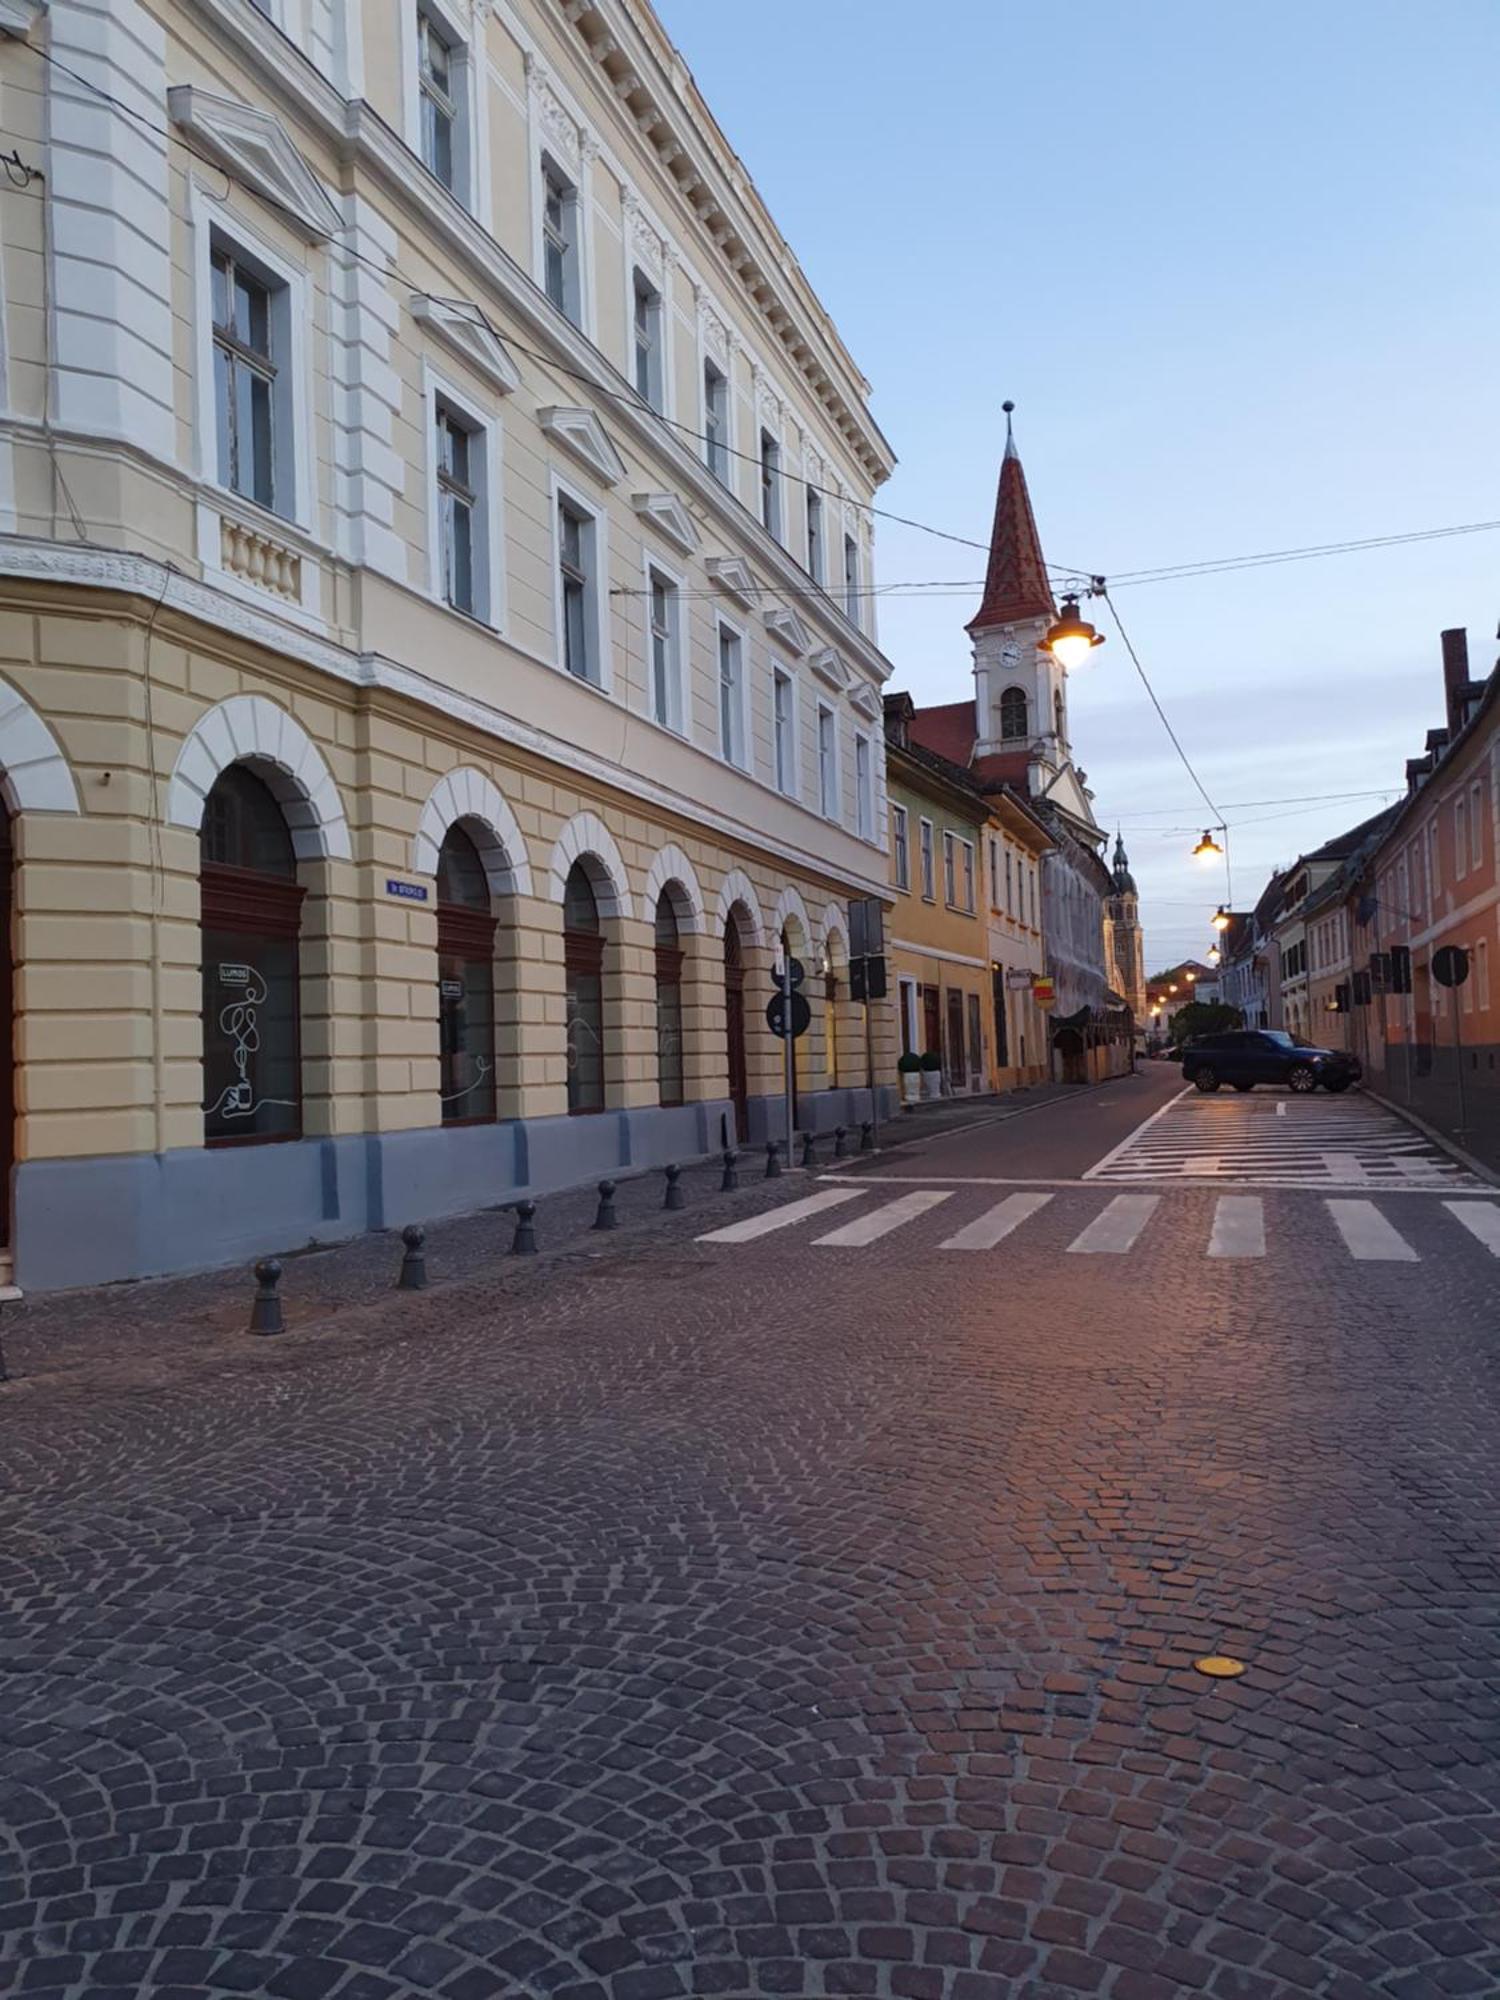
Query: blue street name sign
<point>409,892</point>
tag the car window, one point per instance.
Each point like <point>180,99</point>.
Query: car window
<point>1278,1038</point>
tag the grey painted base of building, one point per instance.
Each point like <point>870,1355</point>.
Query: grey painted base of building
<point>140,1215</point>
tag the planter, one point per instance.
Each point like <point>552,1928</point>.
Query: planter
<point>911,1086</point>
<point>932,1083</point>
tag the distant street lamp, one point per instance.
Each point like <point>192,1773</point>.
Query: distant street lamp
<point>1191,977</point>
<point>1071,638</point>
<point>1213,954</point>
<point>1207,847</point>
<point>1221,918</point>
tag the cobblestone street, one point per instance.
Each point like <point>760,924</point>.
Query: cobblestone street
<point>774,1617</point>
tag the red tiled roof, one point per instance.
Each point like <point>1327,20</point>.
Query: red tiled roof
<point>948,729</point>
<point>1015,584</point>
<point>1003,767</point>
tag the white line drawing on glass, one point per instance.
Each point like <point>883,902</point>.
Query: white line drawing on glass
<point>239,1021</point>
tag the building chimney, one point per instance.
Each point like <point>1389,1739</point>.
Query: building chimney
<point>1455,676</point>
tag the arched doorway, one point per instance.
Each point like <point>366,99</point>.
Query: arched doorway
<point>466,982</point>
<point>669,1067</point>
<point>251,916</point>
<point>583,959</point>
<point>734,1024</point>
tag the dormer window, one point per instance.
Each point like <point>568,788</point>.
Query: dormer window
<point>1015,716</point>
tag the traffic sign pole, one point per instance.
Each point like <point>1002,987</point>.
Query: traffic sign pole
<point>791,1044</point>
<point>1458,1056</point>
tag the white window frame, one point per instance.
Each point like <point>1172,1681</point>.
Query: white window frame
<point>864,787</point>
<point>950,868</point>
<point>817,547</point>
<point>1482,974</point>
<point>652,565</point>
<point>1476,826</point>
<point>573,306</point>
<point>597,625</point>
<point>784,732</point>
<point>489,560</point>
<point>470,132</point>
<point>735,754</point>
<point>644,287</point>
<point>770,478</point>
<point>828,770</point>
<point>852,581</point>
<point>1460,834</point>
<point>901,848</point>
<point>927,860</point>
<point>724,444</point>
<point>213,227</point>
<point>1010,906</point>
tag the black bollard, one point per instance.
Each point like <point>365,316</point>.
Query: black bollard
<point>867,1137</point>
<point>809,1151</point>
<point>840,1143</point>
<point>605,1218</point>
<point>523,1244</point>
<point>675,1197</point>
<point>265,1313</point>
<point>773,1161</point>
<point>731,1177</point>
<point>413,1274</point>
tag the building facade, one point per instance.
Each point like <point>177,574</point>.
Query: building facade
<point>436,669</point>
<point>1017,842</point>
<point>1124,941</point>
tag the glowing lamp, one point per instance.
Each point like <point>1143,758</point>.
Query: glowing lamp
<point>1071,638</point>
<point>1207,847</point>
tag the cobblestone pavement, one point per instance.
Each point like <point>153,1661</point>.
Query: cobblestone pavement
<point>740,1619</point>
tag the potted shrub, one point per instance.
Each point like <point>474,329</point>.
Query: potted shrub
<point>932,1074</point>
<point>909,1069</point>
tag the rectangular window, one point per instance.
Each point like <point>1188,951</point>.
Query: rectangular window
<point>950,877</point>
<point>770,484</point>
<point>966,875</point>
<point>929,885</point>
<point>784,729</point>
<point>851,579</point>
<point>458,503</point>
<point>1460,836</point>
<point>575,564</point>
<point>864,789</point>
<point>663,615</point>
<point>247,386</point>
<point>1009,901</point>
<point>716,421</point>
<point>815,534</point>
<point>439,76</point>
<point>1434,861</point>
<point>731,696</point>
<point>1482,975</point>
<point>900,848</point>
<point>648,341</point>
<point>828,763</point>
<point>560,242</point>
<point>1476,826</point>
<point>994,875</point>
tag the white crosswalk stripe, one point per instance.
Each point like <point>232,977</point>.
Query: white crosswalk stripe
<point>1114,1231</point>
<point>996,1223</point>
<point>875,1223</point>
<point>1239,1227</point>
<point>1369,1236</point>
<point>782,1218</point>
<point>1481,1219</point>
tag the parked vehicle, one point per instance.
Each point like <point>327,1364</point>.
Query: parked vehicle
<point>1249,1056</point>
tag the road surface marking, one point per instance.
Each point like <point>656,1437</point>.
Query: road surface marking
<point>1281,1111</point>
<point>1369,1237</point>
<point>996,1223</point>
<point>1131,1137</point>
<point>881,1221</point>
<point>780,1218</point>
<point>1239,1227</point>
<point>877,1223</point>
<point>1114,1230</point>
<point>1481,1220</point>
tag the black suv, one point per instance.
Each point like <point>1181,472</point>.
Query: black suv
<point>1249,1056</point>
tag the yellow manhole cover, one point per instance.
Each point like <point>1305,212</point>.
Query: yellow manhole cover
<point>1219,1667</point>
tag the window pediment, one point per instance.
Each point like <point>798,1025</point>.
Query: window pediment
<point>468,338</point>
<point>785,625</point>
<point>581,433</point>
<point>866,701</point>
<point>734,575</point>
<point>666,512</point>
<point>256,149</point>
<point>831,670</point>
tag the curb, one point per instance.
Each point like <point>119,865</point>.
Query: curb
<point>1437,1138</point>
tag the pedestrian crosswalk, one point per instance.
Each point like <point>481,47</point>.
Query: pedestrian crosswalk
<point>1236,1230</point>
<point>1275,1139</point>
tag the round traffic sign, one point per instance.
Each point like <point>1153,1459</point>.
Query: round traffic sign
<point>797,970</point>
<point>1450,966</point>
<point>776,1015</point>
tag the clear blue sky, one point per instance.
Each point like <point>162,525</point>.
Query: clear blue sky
<point>1236,266</point>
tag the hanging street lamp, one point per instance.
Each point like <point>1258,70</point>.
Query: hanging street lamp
<point>1207,847</point>
<point>1071,638</point>
<point>1221,918</point>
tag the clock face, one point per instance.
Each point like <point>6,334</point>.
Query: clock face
<point>1010,653</point>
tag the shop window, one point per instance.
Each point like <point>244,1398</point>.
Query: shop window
<point>251,915</point>
<point>583,957</point>
<point>466,982</point>
<point>669,1068</point>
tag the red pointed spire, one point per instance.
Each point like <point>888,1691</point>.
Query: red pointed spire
<point>1015,585</point>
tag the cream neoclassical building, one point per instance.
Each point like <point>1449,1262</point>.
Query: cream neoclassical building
<point>436,671</point>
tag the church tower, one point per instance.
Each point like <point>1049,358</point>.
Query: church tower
<point>1125,955</point>
<point>1020,691</point>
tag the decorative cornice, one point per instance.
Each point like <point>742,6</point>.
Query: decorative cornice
<point>255,147</point>
<point>465,336</point>
<point>734,575</point>
<point>667,513</point>
<point>580,432</point>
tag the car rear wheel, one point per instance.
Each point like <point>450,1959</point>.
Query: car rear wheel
<point>1206,1080</point>
<point>1302,1077</point>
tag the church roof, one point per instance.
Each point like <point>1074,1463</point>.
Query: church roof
<point>1123,879</point>
<point>1015,584</point>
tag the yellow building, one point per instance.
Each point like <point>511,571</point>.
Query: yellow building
<point>437,676</point>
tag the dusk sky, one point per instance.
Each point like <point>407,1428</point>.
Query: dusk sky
<point>1236,267</point>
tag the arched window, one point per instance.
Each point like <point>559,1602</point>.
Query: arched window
<point>583,958</point>
<point>1015,718</point>
<point>668,1002</point>
<point>252,907</point>
<point>1057,716</point>
<point>734,1026</point>
<point>831,1021</point>
<point>466,982</point>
